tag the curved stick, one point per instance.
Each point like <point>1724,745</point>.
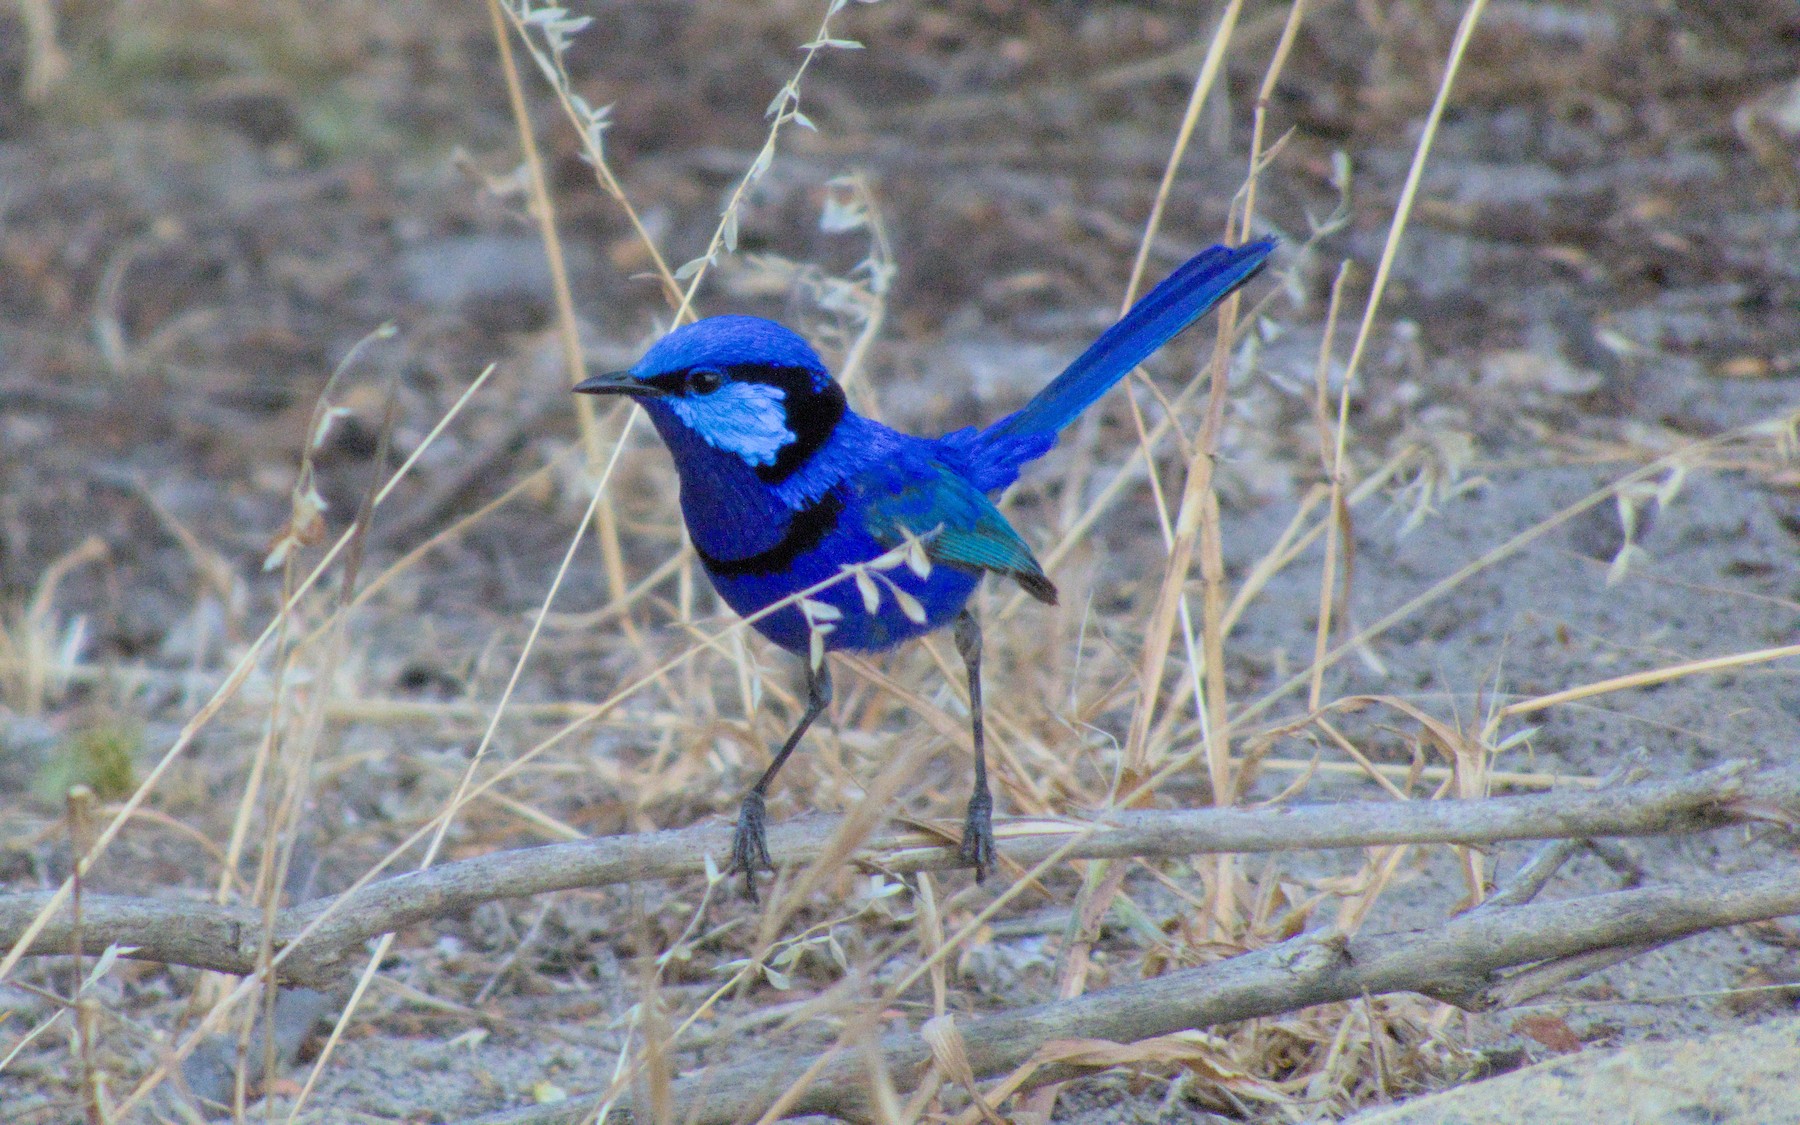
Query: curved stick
<point>209,936</point>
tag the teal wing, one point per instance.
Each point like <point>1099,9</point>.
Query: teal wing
<point>960,526</point>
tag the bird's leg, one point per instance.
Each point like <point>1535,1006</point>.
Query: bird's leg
<point>749,845</point>
<point>978,826</point>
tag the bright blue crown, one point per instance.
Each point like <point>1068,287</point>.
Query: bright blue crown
<point>725,342</point>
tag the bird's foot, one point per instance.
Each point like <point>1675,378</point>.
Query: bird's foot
<point>749,844</point>
<point>977,849</point>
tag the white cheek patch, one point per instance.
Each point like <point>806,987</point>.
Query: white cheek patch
<point>742,418</point>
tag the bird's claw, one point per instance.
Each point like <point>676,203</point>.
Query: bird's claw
<point>750,845</point>
<point>977,849</point>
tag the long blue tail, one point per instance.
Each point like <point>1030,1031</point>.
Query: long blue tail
<point>1183,297</point>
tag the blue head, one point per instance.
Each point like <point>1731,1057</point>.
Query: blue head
<point>737,386</point>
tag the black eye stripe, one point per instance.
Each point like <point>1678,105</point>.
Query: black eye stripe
<point>798,382</point>
<point>813,413</point>
<point>812,407</point>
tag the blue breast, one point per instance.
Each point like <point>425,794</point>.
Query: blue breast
<point>761,543</point>
<point>836,519</point>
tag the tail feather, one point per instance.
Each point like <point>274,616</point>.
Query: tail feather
<point>1183,297</point>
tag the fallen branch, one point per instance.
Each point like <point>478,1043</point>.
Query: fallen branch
<point>1456,962</point>
<point>225,938</point>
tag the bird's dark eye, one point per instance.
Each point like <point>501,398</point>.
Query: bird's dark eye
<point>704,381</point>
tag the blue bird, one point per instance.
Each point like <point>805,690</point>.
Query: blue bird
<point>785,488</point>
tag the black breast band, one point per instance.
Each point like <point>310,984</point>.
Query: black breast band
<point>805,530</point>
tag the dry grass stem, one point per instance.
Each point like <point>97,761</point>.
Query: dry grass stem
<point>1507,549</point>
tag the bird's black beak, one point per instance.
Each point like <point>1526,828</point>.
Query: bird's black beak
<point>617,383</point>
